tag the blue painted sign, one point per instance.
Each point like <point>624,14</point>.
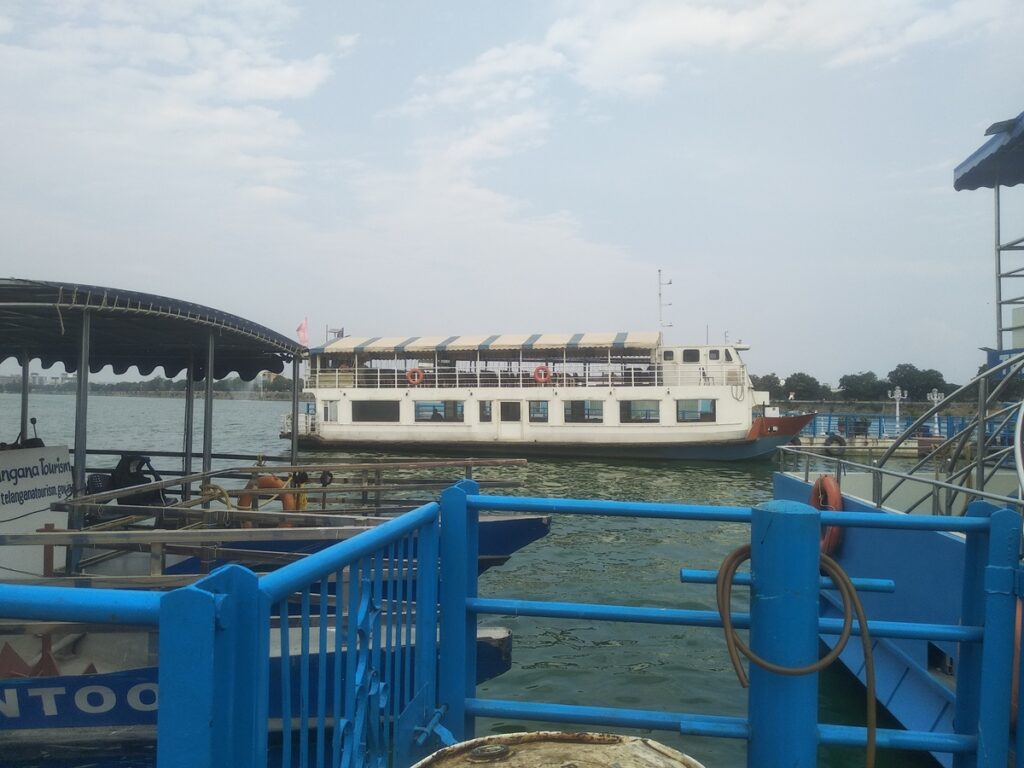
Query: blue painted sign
<point>124,698</point>
<point>996,357</point>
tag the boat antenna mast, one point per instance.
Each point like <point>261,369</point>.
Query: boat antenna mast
<point>663,304</point>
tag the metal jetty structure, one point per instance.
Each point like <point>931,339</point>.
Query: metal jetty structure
<point>979,460</point>
<point>68,520</point>
<point>388,702</point>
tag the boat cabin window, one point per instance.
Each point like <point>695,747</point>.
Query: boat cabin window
<point>695,410</point>
<point>439,410</point>
<point>330,410</point>
<point>511,411</point>
<point>485,410</point>
<point>668,355</point>
<point>584,411</point>
<point>375,410</point>
<point>538,411</point>
<point>728,356</point>
<point>639,411</point>
<point>714,354</point>
<point>691,355</point>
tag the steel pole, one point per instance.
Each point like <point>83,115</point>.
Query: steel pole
<point>190,418</point>
<point>81,405</point>
<point>295,411</point>
<point>999,275</point>
<point>783,710</point>
<point>24,395</point>
<point>208,407</point>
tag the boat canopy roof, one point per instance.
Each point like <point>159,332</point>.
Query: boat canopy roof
<point>379,346</point>
<point>44,320</point>
<point>1000,160</point>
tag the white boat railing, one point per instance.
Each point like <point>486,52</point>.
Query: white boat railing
<point>528,375</point>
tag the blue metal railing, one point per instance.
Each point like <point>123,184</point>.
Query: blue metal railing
<point>785,547</point>
<point>356,655</point>
<point>880,425</point>
<point>328,660</point>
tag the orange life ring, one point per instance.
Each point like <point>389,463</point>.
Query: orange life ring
<point>415,376</point>
<point>267,481</point>
<point>542,374</point>
<point>826,495</point>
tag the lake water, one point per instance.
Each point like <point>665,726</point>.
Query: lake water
<point>591,560</point>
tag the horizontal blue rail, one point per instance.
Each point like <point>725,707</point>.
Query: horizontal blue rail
<point>700,576</point>
<point>710,725</point>
<point>695,618</point>
<point>609,508</point>
<point>710,513</point>
<point>102,606</point>
<point>299,575</point>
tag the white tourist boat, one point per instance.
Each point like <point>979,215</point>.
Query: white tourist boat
<point>622,395</point>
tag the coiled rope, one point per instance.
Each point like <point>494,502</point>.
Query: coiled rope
<point>851,604</point>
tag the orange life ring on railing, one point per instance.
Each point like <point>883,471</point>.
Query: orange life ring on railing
<point>267,482</point>
<point>415,376</point>
<point>825,494</point>
<point>542,374</point>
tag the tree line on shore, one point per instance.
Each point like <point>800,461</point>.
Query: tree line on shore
<point>915,385</point>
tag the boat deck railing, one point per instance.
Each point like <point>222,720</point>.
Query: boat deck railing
<point>977,456</point>
<point>225,515</point>
<point>529,375</point>
<point>364,654</point>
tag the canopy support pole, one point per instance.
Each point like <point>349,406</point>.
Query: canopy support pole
<point>208,407</point>
<point>190,404</point>
<point>295,411</point>
<point>24,395</point>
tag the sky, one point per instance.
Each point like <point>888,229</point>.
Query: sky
<point>444,168</point>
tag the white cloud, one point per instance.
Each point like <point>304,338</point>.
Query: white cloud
<point>632,48</point>
<point>499,76</point>
<point>488,140</point>
<point>143,90</point>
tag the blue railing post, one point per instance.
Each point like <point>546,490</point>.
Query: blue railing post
<point>457,658</point>
<point>972,613</point>
<point>783,710</point>
<point>997,647</point>
<point>211,651</point>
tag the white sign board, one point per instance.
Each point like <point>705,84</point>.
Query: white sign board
<point>30,480</point>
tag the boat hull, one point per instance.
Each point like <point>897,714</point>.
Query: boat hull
<point>765,435</point>
<point>119,706</point>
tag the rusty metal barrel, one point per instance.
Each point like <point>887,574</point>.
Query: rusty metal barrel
<point>558,749</point>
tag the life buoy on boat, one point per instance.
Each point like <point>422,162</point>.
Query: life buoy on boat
<point>835,445</point>
<point>825,494</point>
<point>415,376</point>
<point>267,482</point>
<point>542,374</point>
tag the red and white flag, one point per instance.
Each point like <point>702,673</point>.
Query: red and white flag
<point>303,332</point>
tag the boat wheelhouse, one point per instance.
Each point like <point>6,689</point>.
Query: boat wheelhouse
<point>587,394</point>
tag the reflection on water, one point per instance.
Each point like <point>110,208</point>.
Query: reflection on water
<point>592,560</point>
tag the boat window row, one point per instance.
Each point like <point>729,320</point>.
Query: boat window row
<point>537,411</point>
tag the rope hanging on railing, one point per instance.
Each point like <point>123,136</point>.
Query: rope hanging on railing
<point>851,604</point>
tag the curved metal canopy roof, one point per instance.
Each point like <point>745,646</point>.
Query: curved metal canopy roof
<point>1000,160</point>
<point>44,320</point>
